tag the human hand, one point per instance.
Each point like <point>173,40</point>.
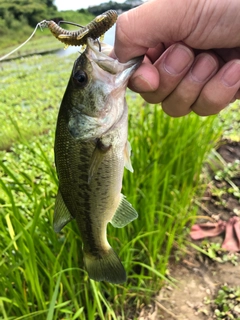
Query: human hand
<point>192,53</point>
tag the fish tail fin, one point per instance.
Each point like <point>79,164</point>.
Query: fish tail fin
<point>106,267</point>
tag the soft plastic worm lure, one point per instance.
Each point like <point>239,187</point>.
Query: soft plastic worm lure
<point>94,29</point>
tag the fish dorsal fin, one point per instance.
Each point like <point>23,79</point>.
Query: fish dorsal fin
<point>61,214</point>
<point>124,214</point>
<point>127,155</point>
<point>97,157</point>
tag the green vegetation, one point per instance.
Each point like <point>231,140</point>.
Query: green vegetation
<point>81,17</point>
<point>214,251</point>
<point>41,273</point>
<point>226,173</point>
<point>231,122</point>
<point>226,305</point>
<point>18,18</point>
<point>31,90</point>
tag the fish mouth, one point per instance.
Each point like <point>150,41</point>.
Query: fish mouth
<point>107,63</point>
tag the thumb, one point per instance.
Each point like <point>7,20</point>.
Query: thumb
<point>155,21</point>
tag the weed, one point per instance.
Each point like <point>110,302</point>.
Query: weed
<point>230,170</point>
<point>226,305</point>
<point>224,173</point>
<point>231,124</point>
<point>215,252</point>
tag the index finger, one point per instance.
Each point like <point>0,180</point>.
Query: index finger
<point>146,26</point>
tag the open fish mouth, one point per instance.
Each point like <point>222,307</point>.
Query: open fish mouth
<point>107,63</point>
<point>101,106</point>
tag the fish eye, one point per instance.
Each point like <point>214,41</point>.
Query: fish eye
<point>80,78</point>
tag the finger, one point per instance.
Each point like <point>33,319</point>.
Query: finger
<point>237,95</point>
<point>172,67</point>
<point>154,53</point>
<point>133,38</point>
<point>219,91</point>
<point>179,102</point>
<point>145,79</point>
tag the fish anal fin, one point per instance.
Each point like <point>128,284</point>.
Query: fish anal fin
<point>124,214</point>
<point>61,214</point>
<point>97,157</point>
<point>127,155</point>
<point>105,267</point>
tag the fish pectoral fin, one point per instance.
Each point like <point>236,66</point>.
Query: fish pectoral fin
<point>127,155</point>
<point>61,214</point>
<point>97,157</point>
<point>124,214</point>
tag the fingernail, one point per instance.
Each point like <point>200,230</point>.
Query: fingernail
<point>203,67</point>
<point>232,75</point>
<point>177,59</point>
<point>139,82</point>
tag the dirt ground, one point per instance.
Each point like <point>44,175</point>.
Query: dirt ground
<point>199,277</point>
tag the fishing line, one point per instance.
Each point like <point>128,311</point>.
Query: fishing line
<point>40,24</point>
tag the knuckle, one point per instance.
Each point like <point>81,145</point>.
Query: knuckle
<point>151,98</point>
<point>207,108</point>
<point>121,30</point>
<point>175,110</point>
<point>211,102</point>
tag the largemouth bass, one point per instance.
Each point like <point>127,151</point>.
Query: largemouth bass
<point>91,150</point>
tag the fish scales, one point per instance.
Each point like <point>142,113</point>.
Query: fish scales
<point>84,194</point>
<point>91,150</point>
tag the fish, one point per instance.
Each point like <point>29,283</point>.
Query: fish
<point>91,150</point>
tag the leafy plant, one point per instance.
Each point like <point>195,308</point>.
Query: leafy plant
<point>225,173</point>
<point>215,252</point>
<point>226,305</point>
<point>229,170</point>
<point>231,124</point>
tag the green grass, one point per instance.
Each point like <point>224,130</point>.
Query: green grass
<point>42,42</point>
<point>41,273</point>
<point>30,94</point>
<point>230,119</point>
